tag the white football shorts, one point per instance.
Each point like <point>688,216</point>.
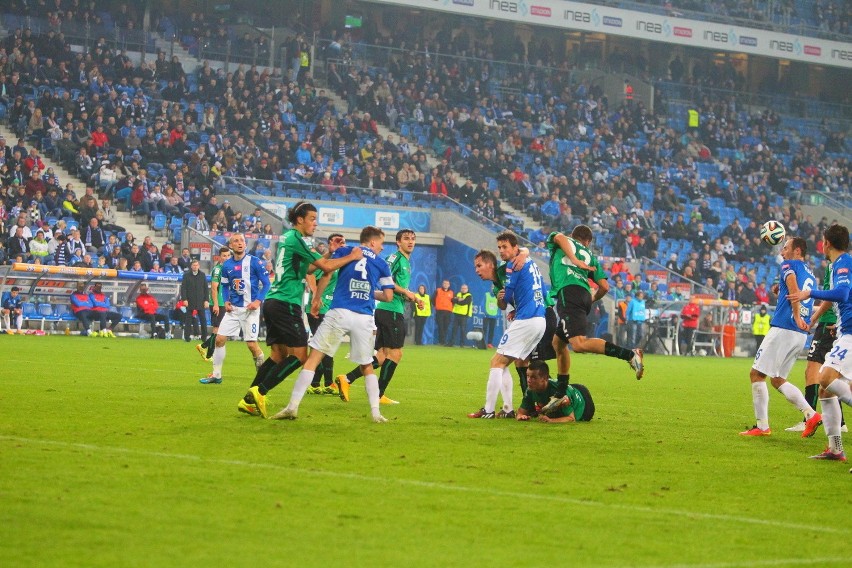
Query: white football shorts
<point>240,319</point>
<point>778,352</point>
<point>336,324</point>
<point>521,337</point>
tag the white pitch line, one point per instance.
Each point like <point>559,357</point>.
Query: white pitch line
<point>439,486</point>
<point>752,563</point>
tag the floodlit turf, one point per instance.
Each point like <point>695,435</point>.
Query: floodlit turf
<point>112,454</point>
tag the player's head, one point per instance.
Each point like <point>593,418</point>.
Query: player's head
<point>373,238</point>
<point>507,245</point>
<point>583,235</point>
<point>237,242</point>
<point>538,373</point>
<point>303,217</point>
<point>224,254</point>
<point>485,265</point>
<point>14,291</point>
<point>837,237</point>
<point>405,240</point>
<point>794,249</point>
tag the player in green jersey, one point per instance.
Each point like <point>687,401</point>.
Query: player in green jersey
<point>823,322</point>
<point>216,301</point>
<point>319,305</point>
<point>570,286</point>
<point>390,320</point>
<point>282,310</point>
<point>544,399</point>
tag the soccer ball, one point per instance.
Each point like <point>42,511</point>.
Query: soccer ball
<point>772,232</point>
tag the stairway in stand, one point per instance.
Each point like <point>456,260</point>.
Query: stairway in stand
<point>122,218</point>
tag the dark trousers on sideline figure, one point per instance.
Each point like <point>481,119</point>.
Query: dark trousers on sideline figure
<point>458,327</point>
<point>442,322</point>
<point>108,320</point>
<point>488,327</point>
<point>191,323</point>
<point>419,324</point>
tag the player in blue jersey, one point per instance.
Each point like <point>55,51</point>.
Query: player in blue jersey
<point>11,308</point>
<point>244,282</point>
<point>524,291</point>
<point>836,373</point>
<point>359,285</point>
<point>788,332</point>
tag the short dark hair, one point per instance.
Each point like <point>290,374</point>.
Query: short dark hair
<point>801,244</point>
<point>509,237</point>
<point>333,236</point>
<point>402,232</point>
<point>838,237</point>
<point>582,233</point>
<point>539,366</point>
<point>487,256</point>
<point>370,232</point>
<point>224,249</point>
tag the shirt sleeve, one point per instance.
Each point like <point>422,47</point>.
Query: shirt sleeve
<point>385,277</point>
<point>263,277</point>
<point>509,285</point>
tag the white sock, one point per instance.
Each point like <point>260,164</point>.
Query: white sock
<point>760,400</point>
<point>260,358</point>
<point>218,361</point>
<point>19,322</point>
<point>830,416</point>
<point>371,385</point>
<point>303,381</point>
<point>495,385</point>
<point>6,321</point>
<point>842,390</point>
<point>507,390</point>
<point>796,398</point>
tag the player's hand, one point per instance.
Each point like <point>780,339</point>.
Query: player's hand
<point>229,307</point>
<point>774,288</point>
<point>253,306</point>
<point>801,323</point>
<point>336,243</point>
<point>799,296</point>
<point>417,301</point>
<point>832,329</point>
<point>543,418</point>
<point>216,310</point>
<point>521,259</point>
<point>356,254</point>
<point>501,294</point>
<point>511,316</point>
<point>522,417</point>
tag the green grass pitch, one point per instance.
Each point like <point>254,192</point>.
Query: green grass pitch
<point>112,454</point>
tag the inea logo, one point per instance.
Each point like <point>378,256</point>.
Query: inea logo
<point>509,7</point>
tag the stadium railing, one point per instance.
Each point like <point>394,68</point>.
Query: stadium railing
<point>48,290</point>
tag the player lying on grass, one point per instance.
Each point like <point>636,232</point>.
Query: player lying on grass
<point>542,399</point>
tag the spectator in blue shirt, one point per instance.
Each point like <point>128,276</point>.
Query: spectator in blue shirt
<point>636,316</point>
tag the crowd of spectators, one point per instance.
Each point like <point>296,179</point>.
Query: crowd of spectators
<point>160,140</point>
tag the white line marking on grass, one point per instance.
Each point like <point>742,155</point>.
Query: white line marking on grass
<point>750,563</point>
<point>442,487</point>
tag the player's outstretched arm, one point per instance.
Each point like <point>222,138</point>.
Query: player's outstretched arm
<point>560,420</point>
<point>321,285</point>
<point>603,289</point>
<point>568,248</point>
<point>331,264</point>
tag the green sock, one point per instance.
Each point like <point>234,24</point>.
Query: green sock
<point>278,373</point>
<point>562,382</point>
<point>613,350</point>
<point>385,375</point>
<point>356,373</point>
<point>522,378</point>
<point>812,395</point>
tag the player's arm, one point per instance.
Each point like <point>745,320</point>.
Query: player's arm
<point>560,420</point>
<point>793,288</point>
<point>523,414</point>
<point>823,307</point>
<point>564,243</point>
<point>331,264</point>
<point>263,277</point>
<point>521,259</point>
<point>321,285</point>
<point>501,299</point>
<point>214,293</point>
<point>603,289</point>
<point>311,281</point>
<point>385,293</point>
